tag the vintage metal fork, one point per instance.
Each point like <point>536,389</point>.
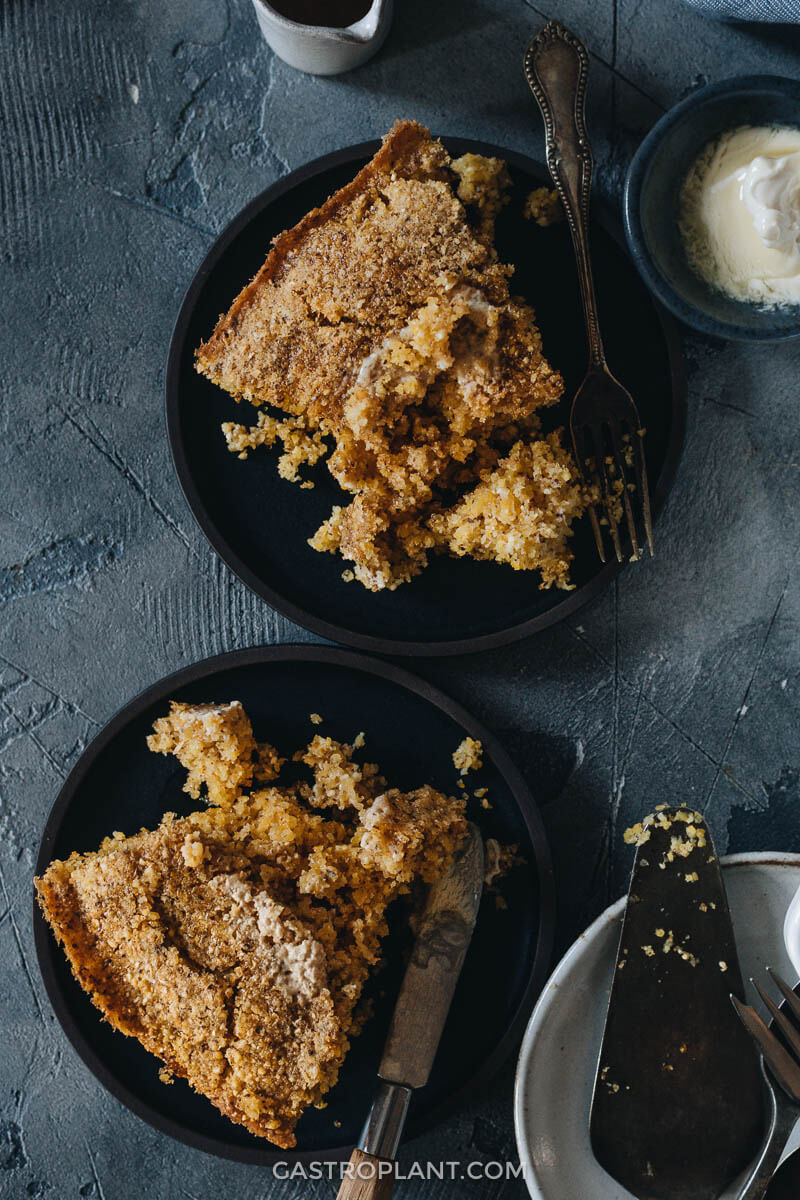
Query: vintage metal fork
<point>782,1058</point>
<point>607,435</point>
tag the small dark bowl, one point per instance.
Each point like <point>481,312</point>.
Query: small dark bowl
<point>652,191</point>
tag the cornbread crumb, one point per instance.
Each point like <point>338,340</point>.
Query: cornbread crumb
<point>692,835</point>
<point>315,718</point>
<point>383,331</point>
<point>637,835</point>
<point>234,943</point>
<point>468,755</point>
<point>483,184</point>
<point>214,742</point>
<point>543,206</point>
<point>193,851</point>
<point>165,1075</point>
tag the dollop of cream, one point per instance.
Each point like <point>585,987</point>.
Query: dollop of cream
<point>770,191</point>
<point>740,214</point>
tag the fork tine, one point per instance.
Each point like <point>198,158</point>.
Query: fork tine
<point>580,459</point>
<point>792,1000</point>
<point>608,498</point>
<point>778,1059</point>
<point>619,461</point>
<point>598,536</point>
<point>784,1024</point>
<point>642,487</point>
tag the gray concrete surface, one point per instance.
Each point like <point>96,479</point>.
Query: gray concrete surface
<point>131,133</point>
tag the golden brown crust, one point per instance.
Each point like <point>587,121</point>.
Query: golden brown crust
<point>403,150</point>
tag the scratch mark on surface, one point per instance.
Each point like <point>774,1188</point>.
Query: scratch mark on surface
<point>741,708</point>
<point>178,47</point>
<point>604,62</point>
<point>69,704</point>
<point>653,707</point>
<point>151,206</point>
<point>30,731</point>
<point>745,412</point>
<point>616,784</point>
<point>98,1185</point>
<point>20,945</point>
<point>112,456</point>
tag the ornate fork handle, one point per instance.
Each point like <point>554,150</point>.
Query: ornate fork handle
<point>557,69</point>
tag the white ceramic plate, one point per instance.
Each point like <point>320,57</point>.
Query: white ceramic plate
<point>555,1073</point>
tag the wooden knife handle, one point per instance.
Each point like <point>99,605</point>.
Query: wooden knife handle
<point>367,1178</point>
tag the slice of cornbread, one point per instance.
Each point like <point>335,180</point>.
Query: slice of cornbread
<point>383,328</point>
<point>235,943</point>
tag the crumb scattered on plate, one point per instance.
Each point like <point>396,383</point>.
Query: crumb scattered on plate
<point>468,755</point>
<point>543,206</point>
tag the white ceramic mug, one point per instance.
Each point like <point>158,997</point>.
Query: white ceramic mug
<point>321,49</point>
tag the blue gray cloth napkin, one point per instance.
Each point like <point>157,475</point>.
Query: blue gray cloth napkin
<point>749,10</point>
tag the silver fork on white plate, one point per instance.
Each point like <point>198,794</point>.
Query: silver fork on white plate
<point>780,1064</point>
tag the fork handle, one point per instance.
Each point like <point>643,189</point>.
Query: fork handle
<point>783,1117</point>
<point>557,69</point>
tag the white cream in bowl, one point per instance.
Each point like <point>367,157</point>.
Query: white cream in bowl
<point>740,214</point>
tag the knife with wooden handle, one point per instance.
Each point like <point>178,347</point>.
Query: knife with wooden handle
<point>423,1003</point>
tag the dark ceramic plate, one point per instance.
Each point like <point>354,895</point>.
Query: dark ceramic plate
<point>411,730</point>
<point>259,523</point>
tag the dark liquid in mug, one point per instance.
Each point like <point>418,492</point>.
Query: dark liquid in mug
<point>336,13</point>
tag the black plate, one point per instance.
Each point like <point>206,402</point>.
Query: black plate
<point>411,730</point>
<point>259,523</point>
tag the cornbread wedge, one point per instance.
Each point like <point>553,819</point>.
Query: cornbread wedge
<point>235,943</point>
<point>380,334</point>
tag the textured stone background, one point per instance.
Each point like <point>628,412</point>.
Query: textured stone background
<point>131,133</point>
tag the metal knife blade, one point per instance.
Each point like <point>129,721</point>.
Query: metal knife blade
<point>433,970</point>
<point>677,1106</point>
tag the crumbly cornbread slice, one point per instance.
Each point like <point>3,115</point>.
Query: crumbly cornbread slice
<point>383,324</point>
<point>234,943</point>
